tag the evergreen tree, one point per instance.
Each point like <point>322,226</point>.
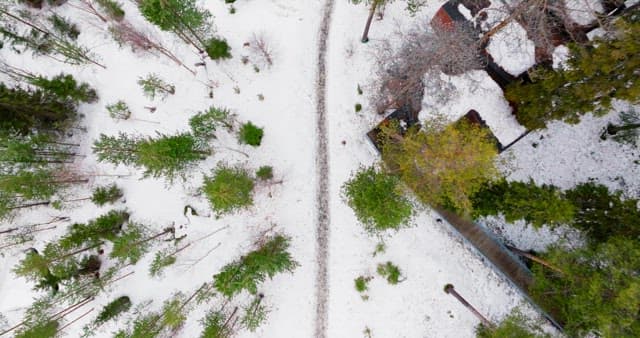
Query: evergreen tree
<point>377,199</point>
<point>604,70</point>
<point>255,314</point>
<point>270,259</point>
<point>130,246</point>
<point>106,227</point>
<point>153,85</point>
<point>114,309</point>
<point>515,325</point>
<point>181,17</point>
<point>24,110</point>
<point>106,194</point>
<point>599,291</point>
<point>602,214</point>
<point>167,156</point>
<point>64,86</point>
<point>204,124</point>
<point>537,205</point>
<point>444,164</point>
<point>228,189</point>
<point>216,325</point>
<point>112,8</point>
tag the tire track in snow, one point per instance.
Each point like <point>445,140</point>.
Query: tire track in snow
<point>322,178</point>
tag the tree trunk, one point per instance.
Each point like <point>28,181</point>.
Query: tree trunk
<point>613,129</point>
<point>534,258</point>
<point>372,11</point>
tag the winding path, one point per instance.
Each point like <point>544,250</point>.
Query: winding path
<point>322,179</point>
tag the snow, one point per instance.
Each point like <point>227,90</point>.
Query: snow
<point>583,12</point>
<point>512,50</point>
<point>560,56</point>
<point>430,254</point>
<point>465,12</point>
<point>473,90</point>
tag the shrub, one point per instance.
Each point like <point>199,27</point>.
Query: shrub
<point>390,271</point>
<point>64,27</point>
<point>204,124</point>
<point>377,201</point>
<point>252,269</point>
<point>106,194</point>
<point>255,314</point>
<point>265,172</point>
<point>358,107</point>
<point>362,283</point>
<point>112,8</point>
<point>161,260</point>
<point>214,325</point>
<point>218,49</point>
<point>114,309</point>
<point>105,227</point>
<point>45,329</point>
<point>250,134</point>
<point>64,86</point>
<point>228,189</point>
<point>119,110</point>
<point>153,85</point>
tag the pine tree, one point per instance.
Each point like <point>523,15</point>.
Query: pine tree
<point>153,85</point>
<point>377,199</point>
<point>106,194</point>
<point>599,291</point>
<point>596,74</point>
<point>255,314</point>
<point>228,189</point>
<point>270,259</point>
<point>602,214</point>
<point>64,86</point>
<point>537,205</point>
<point>515,325</point>
<point>216,325</point>
<point>204,124</point>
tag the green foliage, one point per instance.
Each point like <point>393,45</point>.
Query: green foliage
<point>390,271</point>
<point>228,189</point>
<point>144,326</point>
<point>602,214</point>
<point>65,87</point>
<point>64,27</point>
<point>46,329</point>
<point>173,313</point>
<point>218,49</point>
<point>161,260</point>
<point>114,309</point>
<point>106,194</point>
<point>167,156</point>
<point>29,185</point>
<point>253,268</point>
<point>515,325</point>
<point>599,290</point>
<point>204,124</point>
<point>265,172</point>
<point>255,314</point>
<point>182,17</point>
<point>377,200</point>
<point>537,205</point>
<point>24,110</point>
<point>250,134</point>
<point>112,8</point>
<point>214,325</point>
<point>443,163</point>
<point>130,245</point>
<point>153,85</point>
<point>105,227</point>
<point>362,283</point>
<point>604,70</point>
<point>358,107</point>
<point>119,110</point>
<point>627,131</point>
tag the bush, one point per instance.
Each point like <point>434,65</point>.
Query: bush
<point>250,134</point>
<point>218,49</point>
<point>153,85</point>
<point>105,227</point>
<point>106,194</point>
<point>254,315</point>
<point>362,283</point>
<point>228,189</point>
<point>358,107</point>
<point>119,110</point>
<point>112,8</point>
<point>114,309</point>
<point>214,325</point>
<point>45,329</point>
<point>204,124</point>
<point>252,269</point>
<point>390,271</point>
<point>265,172</point>
<point>64,86</point>
<point>377,201</point>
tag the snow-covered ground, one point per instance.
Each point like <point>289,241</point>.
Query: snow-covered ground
<point>512,50</point>
<point>429,254</point>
